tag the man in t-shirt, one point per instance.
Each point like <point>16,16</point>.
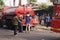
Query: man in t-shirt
<point>28,22</point>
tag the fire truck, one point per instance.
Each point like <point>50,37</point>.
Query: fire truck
<point>55,23</point>
<point>8,13</point>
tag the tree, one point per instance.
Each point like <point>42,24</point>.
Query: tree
<point>43,6</point>
<point>1,2</point>
<point>51,0</point>
<point>31,1</point>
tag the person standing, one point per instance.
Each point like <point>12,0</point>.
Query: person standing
<point>48,19</point>
<point>15,21</point>
<point>28,22</point>
<point>20,25</point>
<point>42,19</point>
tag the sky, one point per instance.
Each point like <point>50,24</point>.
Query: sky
<point>45,1</point>
<point>10,2</point>
<point>24,2</point>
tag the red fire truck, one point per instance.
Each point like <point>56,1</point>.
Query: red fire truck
<point>55,23</point>
<point>8,13</point>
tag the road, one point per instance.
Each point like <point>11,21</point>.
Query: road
<point>33,35</point>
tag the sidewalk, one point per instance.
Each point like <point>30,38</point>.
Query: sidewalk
<point>42,27</point>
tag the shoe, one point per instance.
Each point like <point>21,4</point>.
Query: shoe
<point>20,31</point>
<point>15,33</point>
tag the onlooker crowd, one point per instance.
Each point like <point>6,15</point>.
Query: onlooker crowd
<point>45,20</point>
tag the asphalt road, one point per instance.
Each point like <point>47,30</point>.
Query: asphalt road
<point>33,35</point>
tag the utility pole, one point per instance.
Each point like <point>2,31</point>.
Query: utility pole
<point>14,2</point>
<point>19,2</point>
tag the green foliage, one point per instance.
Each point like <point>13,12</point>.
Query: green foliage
<point>1,2</point>
<point>43,6</point>
<point>51,0</point>
<point>33,0</point>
